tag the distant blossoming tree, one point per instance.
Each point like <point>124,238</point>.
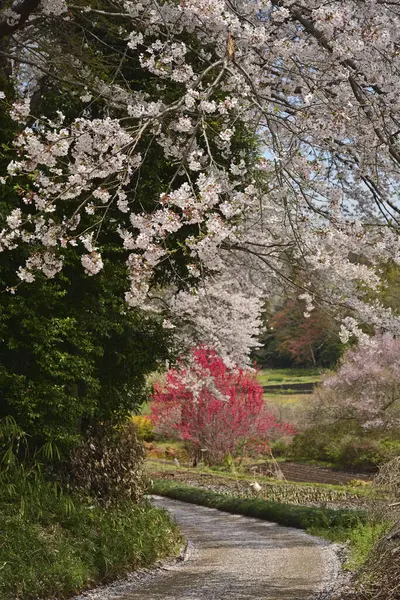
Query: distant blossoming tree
<point>366,386</point>
<point>214,409</point>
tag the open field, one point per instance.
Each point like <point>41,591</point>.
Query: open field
<point>289,404</point>
<point>291,408</point>
<point>286,398</point>
<point>297,492</point>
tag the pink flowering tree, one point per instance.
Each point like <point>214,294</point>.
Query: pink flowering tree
<point>366,386</point>
<point>214,409</point>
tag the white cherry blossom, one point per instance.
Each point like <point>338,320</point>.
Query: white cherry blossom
<point>278,124</point>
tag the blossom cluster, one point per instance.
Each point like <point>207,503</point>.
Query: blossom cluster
<point>275,128</point>
<point>367,384</point>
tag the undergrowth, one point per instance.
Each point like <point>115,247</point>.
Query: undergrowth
<point>53,545</point>
<point>361,540</point>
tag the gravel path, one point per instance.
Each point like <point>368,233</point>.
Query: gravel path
<point>232,557</point>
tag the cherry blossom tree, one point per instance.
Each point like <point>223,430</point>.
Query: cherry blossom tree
<point>269,133</point>
<point>215,409</point>
<point>366,386</point>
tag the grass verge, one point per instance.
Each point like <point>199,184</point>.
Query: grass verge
<point>53,546</point>
<point>290,515</point>
<point>361,540</point>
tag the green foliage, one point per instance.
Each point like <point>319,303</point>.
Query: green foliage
<point>380,575</point>
<point>54,545</point>
<point>280,448</point>
<point>73,352</point>
<point>389,292</point>
<point>144,427</point>
<point>70,354</point>
<point>302,517</point>
<point>345,444</point>
<point>12,442</point>
<point>361,540</point>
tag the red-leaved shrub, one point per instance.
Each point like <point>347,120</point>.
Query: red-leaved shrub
<point>216,410</point>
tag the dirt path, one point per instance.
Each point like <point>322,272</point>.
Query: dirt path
<point>234,558</point>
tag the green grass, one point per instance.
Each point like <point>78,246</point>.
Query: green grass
<point>301,517</point>
<point>287,376</point>
<point>361,540</point>
<point>52,546</point>
<point>289,404</point>
<point>286,398</point>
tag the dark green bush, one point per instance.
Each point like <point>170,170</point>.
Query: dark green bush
<point>279,448</point>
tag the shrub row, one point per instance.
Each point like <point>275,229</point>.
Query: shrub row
<point>301,517</point>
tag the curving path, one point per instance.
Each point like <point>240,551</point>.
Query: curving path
<point>233,557</point>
